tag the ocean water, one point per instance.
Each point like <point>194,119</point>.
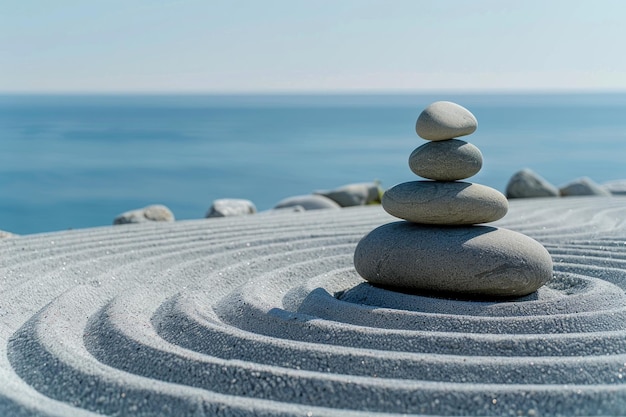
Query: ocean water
<point>79,160</point>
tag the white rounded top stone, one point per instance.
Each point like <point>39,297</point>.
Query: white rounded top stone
<point>444,120</point>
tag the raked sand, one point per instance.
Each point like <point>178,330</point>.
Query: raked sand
<point>265,316</point>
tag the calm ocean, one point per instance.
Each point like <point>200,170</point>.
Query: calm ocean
<point>78,161</point>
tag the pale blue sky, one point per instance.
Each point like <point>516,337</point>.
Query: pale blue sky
<point>315,45</point>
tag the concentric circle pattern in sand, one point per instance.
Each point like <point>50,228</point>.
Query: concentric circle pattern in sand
<point>265,316</point>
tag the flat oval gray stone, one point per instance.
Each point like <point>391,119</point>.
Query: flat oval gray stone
<point>446,160</point>
<point>472,260</point>
<point>445,120</point>
<point>451,203</point>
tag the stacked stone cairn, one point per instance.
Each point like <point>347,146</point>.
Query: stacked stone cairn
<point>443,245</point>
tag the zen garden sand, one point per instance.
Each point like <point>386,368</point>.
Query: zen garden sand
<point>266,315</point>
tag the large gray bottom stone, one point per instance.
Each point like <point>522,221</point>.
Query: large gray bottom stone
<point>451,203</point>
<point>472,260</point>
<point>446,160</point>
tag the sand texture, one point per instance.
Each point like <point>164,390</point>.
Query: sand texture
<point>265,316</point>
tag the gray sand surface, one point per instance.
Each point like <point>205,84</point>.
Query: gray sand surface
<point>265,316</point>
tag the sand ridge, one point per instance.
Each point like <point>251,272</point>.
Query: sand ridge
<point>265,315</point>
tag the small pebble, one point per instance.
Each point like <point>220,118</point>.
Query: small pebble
<point>230,207</point>
<point>528,184</point>
<point>584,186</point>
<point>308,202</point>
<point>153,213</point>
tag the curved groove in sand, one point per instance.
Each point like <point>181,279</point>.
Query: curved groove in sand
<point>265,315</point>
